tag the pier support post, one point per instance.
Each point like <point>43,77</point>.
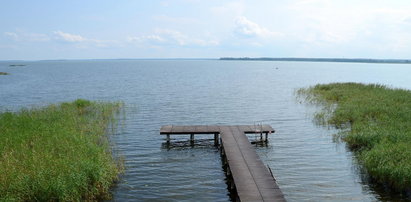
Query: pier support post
<point>266,137</point>
<point>192,140</point>
<point>168,138</point>
<point>216,139</point>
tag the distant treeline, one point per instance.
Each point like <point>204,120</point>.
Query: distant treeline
<point>357,60</point>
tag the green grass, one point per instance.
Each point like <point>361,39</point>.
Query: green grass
<point>379,119</point>
<point>4,73</point>
<point>57,153</point>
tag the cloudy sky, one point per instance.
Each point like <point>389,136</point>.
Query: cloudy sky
<point>79,29</point>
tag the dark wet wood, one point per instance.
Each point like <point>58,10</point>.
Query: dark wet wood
<point>252,179</point>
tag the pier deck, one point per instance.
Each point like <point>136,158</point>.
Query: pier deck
<point>252,180</point>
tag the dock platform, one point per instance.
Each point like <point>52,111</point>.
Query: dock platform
<point>250,179</point>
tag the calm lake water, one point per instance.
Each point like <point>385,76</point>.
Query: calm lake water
<point>307,163</point>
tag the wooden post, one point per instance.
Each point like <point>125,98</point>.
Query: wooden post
<point>168,137</point>
<point>266,137</point>
<point>216,139</point>
<point>192,137</point>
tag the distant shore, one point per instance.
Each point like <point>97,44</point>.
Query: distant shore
<point>351,60</point>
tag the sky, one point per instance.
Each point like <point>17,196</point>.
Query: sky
<point>103,29</point>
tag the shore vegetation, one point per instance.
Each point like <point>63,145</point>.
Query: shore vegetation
<point>378,120</point>
<point>60,152</point>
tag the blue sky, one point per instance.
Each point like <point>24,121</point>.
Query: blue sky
<point>41,29</point>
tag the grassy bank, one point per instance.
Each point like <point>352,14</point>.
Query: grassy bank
<point>57,153</point>
<point>379,119</point>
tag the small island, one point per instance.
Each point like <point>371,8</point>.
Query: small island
<point>4,73</point>
<point>17,65</point>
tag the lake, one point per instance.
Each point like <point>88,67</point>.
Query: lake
<point>305,159</point>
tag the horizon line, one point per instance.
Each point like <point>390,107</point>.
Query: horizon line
<point>219,58</point>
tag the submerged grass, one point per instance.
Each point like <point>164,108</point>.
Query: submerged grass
<point>4,73</point>
<point>379,119</point>
<point>57,153</point>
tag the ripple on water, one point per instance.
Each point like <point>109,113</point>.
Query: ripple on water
<point>307,164</point>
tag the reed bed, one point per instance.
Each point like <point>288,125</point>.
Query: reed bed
<point>379,123</point>
<point>59,152</point>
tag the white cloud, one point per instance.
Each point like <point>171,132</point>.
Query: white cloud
<point>247,28</point>
<point>150,39</point>
<point>68,37</point>
<point>24,36</point>
<point>37,37</point>
<point>340,22</point>
<point>12,35</point>
<point>83,42</point>
<point>171,37</point>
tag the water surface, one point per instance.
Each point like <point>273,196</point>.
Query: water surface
<point>307,163</point>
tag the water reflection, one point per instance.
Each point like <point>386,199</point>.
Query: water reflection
<point>184,144</point>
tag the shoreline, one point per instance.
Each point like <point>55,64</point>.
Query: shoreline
<point>378,121</point>
<point>344,60</point>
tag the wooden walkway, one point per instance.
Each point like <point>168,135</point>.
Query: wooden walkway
<point>252,181</point>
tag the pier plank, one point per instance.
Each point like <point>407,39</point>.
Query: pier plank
<point>165,129</point>
<point>201,129</point>
<point>189,129</point>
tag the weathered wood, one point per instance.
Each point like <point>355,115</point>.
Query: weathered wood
<point>252,180</point>
<point>216,139</point>
<point>212,129</point>
<point>175,129</point>
<point>200,129</point>
<point>165,129</point>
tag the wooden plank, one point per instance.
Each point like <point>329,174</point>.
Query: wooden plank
<point>243,127</point>
<point>165,129</point>
<point>213,128</point>
<point>177,129</point>
<point>247,190</point>
<point>268,128</point>
<point>201,129</point>
<point>189,129</point>
<point>267,188</point>
<point>251,129</point>
<point>258,129</point>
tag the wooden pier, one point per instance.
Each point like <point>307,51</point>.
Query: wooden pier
<point>248,177</point>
